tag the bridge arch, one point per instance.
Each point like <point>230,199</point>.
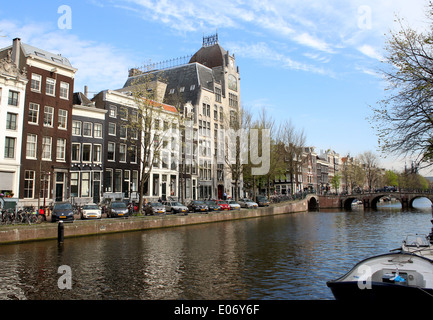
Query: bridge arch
<point>429,197</point>
<point>313,203</point>
<point>375,200</point>
<point>347,203</point>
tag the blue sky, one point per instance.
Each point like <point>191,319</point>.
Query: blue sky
<point>311,61</point>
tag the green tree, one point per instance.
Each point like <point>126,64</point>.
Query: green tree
<point>390,178</point>
<point>335,182</point>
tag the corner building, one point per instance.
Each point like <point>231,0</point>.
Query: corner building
<point>46,124</point>
<point>207,91</point>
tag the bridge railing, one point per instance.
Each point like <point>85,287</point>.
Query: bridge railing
<point>378,191</point>
<point>276,198</point>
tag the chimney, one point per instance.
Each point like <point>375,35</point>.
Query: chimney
<point>85,91</point>
<point>16,51</point>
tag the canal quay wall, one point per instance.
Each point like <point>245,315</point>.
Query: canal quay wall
<point>79,228</point>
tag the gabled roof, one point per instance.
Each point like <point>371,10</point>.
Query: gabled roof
<point>80,98</point>
<point>56,58</point>
<point>185,80</point>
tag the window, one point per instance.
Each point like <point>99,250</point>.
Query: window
<point>113,111</point>
<point>97,130</point>
<point>74,184</point>
<point>134,116</point>
<point>123,113</point>
<point>33,113</point>
<point>63,119</point>
<point>64,90</point>
<point>122,132</point>
<point>97,153</point>
<point>61,149</point>
<point>75,155</point>
<point>133,133</point>
<point>50,88</point>
<point>217,94</point>
<point>122,152</point>
<point>87,151</point>
<point>108,177</point>
<point>85,184</point>
<point>192,87</point>
<point>76,128</point>
<point>233,100</point>
<point>29,183</point>
<point>31,146</point>
<point>215,112</point>
<point>118,181</point>
<point>35,84</point>
<point>110,151</point>
<point>48,116</point>
<point>11,121</point>
<point>13,98</point>
<point>45,185</point>
<point>112,129</point>
<point>9,148</point>
<point>87,129</point>
<point>134,180</point>
<point>46,148</point>
<point>133,154</point>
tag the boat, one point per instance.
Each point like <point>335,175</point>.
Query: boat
<point>387,276</point>
<point>403,273</point>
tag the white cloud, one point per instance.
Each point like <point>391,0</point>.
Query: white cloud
<point>263,52</point>
<point>370,52</point>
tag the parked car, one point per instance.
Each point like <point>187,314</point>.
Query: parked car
<point>90,210</point>
<point>175,207</point>
<point>248,203</point>
<point>153,208</point>
<point>234,205</point>
<point>197,206</point>
<point>117,209</point>
<point>224,205</point>
<point>62,211</point>
<point>262,201</point>
<point>212,205</point>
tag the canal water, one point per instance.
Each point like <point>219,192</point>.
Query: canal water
<point>285,257</point>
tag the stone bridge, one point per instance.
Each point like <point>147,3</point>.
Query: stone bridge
<point>369,200</point>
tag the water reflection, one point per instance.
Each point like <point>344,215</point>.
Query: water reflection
<point>280,257</point>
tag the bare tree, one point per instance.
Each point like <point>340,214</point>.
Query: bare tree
<point>147,92</point>
<point>236,148</point>
<point>369,162</point>
<point>293,142</point>
<point>404,120</point>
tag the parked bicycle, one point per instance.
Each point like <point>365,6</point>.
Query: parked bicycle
<point>27,215</point>
<point>8,216</point>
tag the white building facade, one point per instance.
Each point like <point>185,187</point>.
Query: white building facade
<point>12,96</point>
